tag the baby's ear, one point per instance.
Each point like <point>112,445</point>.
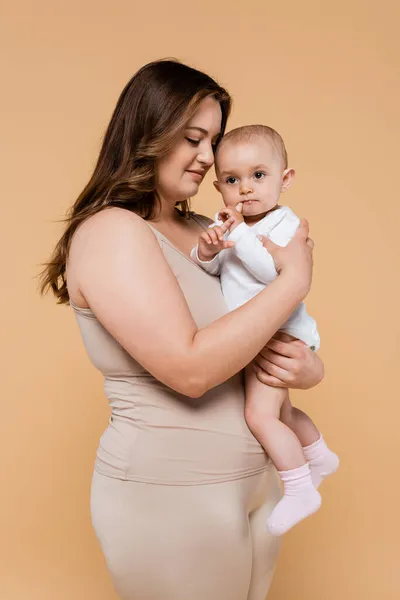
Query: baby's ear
<point>216,185</point>
<point>287,179</point>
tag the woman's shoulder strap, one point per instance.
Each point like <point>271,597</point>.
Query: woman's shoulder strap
<point>205,222</point>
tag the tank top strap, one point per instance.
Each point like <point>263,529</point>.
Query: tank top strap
<point>200,219</point>
<point>158,235</point>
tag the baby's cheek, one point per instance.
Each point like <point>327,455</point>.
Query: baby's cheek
<point>234,196</point>
<point>230,199</point>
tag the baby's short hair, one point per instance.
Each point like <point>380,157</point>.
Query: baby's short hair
<point>247,132</point>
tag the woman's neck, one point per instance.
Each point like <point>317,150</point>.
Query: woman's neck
<point>167,213</point>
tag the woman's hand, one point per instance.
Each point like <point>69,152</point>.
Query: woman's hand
<point>288,363</point>
<point>295,259</point>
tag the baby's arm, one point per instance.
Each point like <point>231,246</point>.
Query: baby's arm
<point>211,242</point>
<point>212,266</point>
<point>286,226</point>
<point>252,253</point>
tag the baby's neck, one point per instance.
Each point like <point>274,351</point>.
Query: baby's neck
<point>254,219</point>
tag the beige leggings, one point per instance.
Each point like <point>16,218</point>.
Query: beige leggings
<point>203,542</point>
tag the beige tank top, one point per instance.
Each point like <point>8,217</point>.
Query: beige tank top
<point>156,435</point>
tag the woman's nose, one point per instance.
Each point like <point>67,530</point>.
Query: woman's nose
<point>206,158</point>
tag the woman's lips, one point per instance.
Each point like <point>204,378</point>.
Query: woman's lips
<point>197,176</point>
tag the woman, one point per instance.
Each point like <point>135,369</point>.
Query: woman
<point>181,489</point>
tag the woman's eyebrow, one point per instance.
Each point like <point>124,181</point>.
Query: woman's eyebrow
<point>198,129</point>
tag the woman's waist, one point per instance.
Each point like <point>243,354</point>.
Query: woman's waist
<point>156,435</point>
<point>167,454</point>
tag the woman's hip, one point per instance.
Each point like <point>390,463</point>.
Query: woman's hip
<point>179,542</point>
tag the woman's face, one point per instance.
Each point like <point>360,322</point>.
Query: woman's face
<point>181,171</point>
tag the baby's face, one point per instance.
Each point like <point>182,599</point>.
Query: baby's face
<point>250,172</point>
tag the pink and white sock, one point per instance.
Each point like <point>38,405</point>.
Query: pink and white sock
<point>321,460</point>
<point>300,500</point>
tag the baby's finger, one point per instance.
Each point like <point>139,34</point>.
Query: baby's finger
<point>219,232</point>
<point>228,244</point>
<point>239,207</point>
<point>227,224</point>
<point>204,237</point>
<point>213,235</point>
<point>225,213</point>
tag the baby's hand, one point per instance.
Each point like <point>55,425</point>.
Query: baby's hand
<point>211,241</point>
<point>232,213</point>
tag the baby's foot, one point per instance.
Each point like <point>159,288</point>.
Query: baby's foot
<point>293,509</point>
<point>321,460</point>
<point>300,500</point>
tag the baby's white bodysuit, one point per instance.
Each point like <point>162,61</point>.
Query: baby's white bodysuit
<point>248,268</point>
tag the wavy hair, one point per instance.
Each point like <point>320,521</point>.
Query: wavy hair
<point>152,110</point>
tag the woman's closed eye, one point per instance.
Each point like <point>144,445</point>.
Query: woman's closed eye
<point>193,142</point>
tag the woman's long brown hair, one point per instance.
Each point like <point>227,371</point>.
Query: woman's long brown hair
<point>152,110</point>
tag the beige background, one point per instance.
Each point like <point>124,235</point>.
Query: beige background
<point>327,78</point>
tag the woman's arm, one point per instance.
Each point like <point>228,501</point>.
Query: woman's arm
<point>125,279</point>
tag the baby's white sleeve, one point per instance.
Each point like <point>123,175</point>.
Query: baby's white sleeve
<point>252,254</point>
<point>213,267</point>
<point>283,231</point>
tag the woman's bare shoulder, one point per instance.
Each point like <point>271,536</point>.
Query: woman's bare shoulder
<point>111,223</point>
<point>105,237</point>
<point>111,217</point>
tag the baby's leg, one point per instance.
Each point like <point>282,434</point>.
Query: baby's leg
<point>262,409</point>
<point>299,422</point>
<point>321,460</point>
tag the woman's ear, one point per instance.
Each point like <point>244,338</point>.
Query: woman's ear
<point>287,179</point>
<point>216,185</point>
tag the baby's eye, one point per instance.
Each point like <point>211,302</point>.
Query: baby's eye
<point>193,142</point>
<point>259,175</point>
<point>231,180</point>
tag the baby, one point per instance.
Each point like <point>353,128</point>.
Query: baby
<point>252,171</point>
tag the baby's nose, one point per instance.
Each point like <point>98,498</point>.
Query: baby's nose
<point>245,189</point>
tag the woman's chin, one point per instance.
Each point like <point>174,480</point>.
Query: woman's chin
<point>190,191</point>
